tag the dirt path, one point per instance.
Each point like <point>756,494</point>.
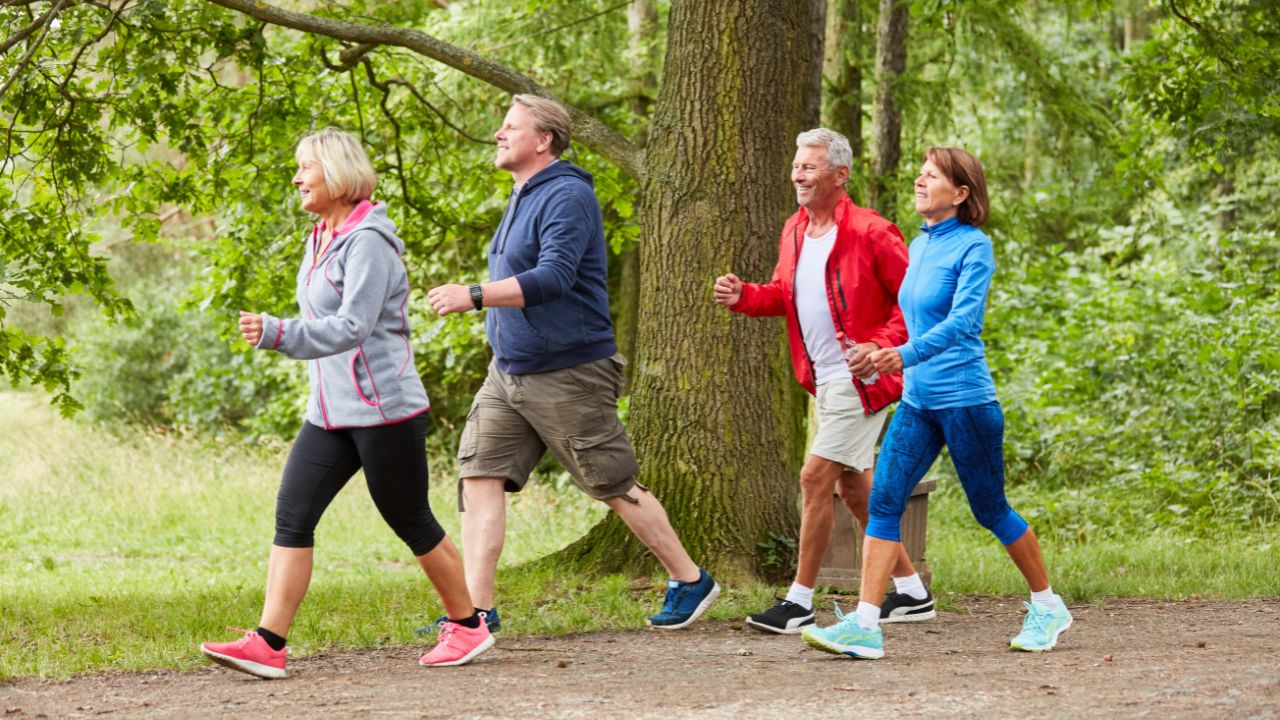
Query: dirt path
<point>1125,659</point>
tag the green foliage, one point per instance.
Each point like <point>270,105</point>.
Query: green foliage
<point>168,367</point>
<point>1211,78</point>
<point>183,105</point>
<point>1141,373</point>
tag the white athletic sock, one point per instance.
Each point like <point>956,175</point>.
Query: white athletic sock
<point>1046,598</point>
<point>800,595</point>
<point>912,586</point>
<point>868,615</point>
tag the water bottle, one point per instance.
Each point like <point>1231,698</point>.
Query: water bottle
<point>850,346</point>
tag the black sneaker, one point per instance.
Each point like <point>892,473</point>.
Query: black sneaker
<point>900,607</point>
<point>785,618</point>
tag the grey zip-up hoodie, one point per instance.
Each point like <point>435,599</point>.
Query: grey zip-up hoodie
<point>354,326</point>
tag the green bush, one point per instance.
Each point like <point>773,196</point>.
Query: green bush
<point>174,367</point>
<point>1141,380</point>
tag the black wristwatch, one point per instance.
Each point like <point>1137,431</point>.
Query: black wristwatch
<point>477,297</point>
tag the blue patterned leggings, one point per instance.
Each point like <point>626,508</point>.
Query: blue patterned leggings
<point>975,437</point>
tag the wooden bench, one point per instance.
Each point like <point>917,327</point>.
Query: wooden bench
<point>842,563</point>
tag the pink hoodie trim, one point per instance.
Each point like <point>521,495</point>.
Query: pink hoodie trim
<point>279,334</point>
<point>410,416</point>
<point>359,355</point>
<point>357,214</point>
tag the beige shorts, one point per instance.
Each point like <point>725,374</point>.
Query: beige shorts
<point>572,412</point>
<point>845,434</point>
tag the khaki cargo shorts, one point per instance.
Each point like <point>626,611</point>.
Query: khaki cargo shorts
<point>572,412</point>
<point>846,434</point>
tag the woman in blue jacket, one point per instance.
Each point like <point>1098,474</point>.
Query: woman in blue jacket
<point>948,399</point>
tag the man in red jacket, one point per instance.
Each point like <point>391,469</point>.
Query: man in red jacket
<point>836,282</point>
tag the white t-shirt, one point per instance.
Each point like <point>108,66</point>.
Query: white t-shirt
<point>814,311</point>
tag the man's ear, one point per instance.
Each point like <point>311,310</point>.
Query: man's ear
<point>544,142</point>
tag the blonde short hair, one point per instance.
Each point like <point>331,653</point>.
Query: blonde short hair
<point>549,116</point>
<point>347,170</point>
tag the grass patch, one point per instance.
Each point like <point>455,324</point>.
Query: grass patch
<point>1165,564</point>
<point>125,550</point>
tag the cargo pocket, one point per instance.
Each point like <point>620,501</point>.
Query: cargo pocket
<point>469,443</point>
<point>605,462</point>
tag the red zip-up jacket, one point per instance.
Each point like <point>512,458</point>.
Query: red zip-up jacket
<point>863,273</point>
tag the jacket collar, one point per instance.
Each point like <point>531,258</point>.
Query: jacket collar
<point>942,229</point>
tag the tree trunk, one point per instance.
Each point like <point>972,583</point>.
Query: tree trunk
<point>715,417</point>
<point>842,91</point>
<point>642,20</point>
<point>886,116</point>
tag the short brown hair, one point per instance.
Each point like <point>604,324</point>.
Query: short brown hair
<point>963,170</point>
<point>549,116</point>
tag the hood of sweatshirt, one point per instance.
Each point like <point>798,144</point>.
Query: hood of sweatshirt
<point>556,170</point>
<point>368,215</point>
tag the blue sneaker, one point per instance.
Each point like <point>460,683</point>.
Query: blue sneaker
<point>1042,626</point>
<point>846,637</point>
<point>490,618</point>
<point>685,602</point>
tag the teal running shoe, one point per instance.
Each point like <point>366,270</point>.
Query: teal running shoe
<point>1042,626</point>
<point>846,637</point>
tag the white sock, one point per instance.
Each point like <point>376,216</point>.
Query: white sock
<point>868,615</point>
<point>912,586</point>
<point>800,595</point>
<point>1046,598</point>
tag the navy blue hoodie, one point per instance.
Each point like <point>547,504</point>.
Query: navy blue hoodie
<point>551,240</point>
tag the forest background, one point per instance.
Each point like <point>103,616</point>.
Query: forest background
<point>1130,147</point>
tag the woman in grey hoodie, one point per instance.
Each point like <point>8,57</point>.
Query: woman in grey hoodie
<point>367,408</point>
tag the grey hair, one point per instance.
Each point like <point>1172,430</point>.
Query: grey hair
<point>839,153</point>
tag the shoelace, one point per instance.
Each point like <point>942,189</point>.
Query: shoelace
<point>1036,620</point>
<point>446,632</point>
<point>674,597</point>
<point>840,616</point>
<point>249,635</point>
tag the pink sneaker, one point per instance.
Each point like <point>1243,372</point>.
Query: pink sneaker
<point>458,645</point>
<point>250,654</point>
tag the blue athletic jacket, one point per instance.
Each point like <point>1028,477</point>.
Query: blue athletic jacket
<point>551,240</point>
<point>943,298</point>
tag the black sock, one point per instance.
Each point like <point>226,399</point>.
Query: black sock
<point>472,622</point>
<point>274,641</point>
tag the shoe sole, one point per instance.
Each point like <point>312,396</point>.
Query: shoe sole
<point>245,666</point>
<point>857,653</point>
<point>1052,643</point>
<point>909,616</point>
<point>781,631</point>
<point>697,612</point>
<point>488,643</point>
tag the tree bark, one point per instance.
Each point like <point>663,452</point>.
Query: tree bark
<point>886,116</point>
<point>715,417</point>
<point>842,89</point>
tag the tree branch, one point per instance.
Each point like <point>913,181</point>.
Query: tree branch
<point>590,132</point>
<point>25,32</point>
<point>47,20</point>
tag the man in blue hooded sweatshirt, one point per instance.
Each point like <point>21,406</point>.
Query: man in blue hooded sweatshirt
<point>556,373</point>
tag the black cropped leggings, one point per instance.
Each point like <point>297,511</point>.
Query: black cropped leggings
<point>394,459</point>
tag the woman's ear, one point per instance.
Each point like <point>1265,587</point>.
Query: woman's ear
<point>962,194</point>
